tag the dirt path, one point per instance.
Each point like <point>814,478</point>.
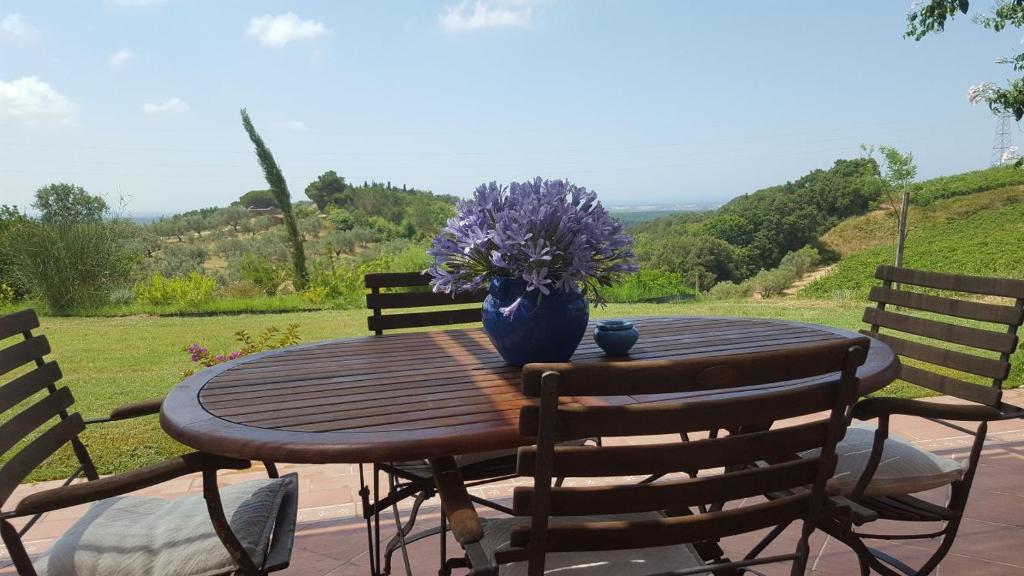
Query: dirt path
<point>807,279</point>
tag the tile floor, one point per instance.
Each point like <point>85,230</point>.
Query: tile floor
<point>331,537</point>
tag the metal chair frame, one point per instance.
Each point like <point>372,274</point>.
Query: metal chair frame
<point>987,405</point>
<point>56,402</point>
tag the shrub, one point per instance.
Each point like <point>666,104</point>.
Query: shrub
<point>191,290</point>
<point>243,289</point>
<point>730,291</point>
<point>6,295</point>
<point>70,266</point>
<point>121,296</point>
<point>180,259</point>
<point>802,261</point>
<point>646,284</point>
<point>270,339</point>
<point>769,283</point>
<point>262,273</point>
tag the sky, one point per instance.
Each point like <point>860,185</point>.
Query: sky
<point>645,102</point>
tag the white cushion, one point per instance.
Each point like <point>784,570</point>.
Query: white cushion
<point>635,562</point>
<point>146,536</point>
<point>903,469</point>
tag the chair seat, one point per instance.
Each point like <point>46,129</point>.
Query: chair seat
<point>635,562</point>
<point>135,535</point>
<point>903,469</point>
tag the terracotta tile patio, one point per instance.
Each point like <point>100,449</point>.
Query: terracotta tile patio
<point>331,539</point>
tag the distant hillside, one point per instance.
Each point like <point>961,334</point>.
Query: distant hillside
<point>982,233</point>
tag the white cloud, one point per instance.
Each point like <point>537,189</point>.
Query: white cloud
<point>173,105</point>
<point>281,29</point>
<point>293,126</point>
<point>120,59</point>
<point>482,14</point>
<point>31,100</point>
<point>15,26</point>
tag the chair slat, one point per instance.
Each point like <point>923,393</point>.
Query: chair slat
<point>975,337</point>
<point>596,536</point>
<point>651,497</point>
<point>676,417</point>
<point>1005,287</point>
<point>985,367</point>
<point>422,299</point>
<point>22,353</point>
<point>24,386</point>
<point>396,280</point>
<point>733,450</point>
<point>1010,315</point>
<point>18,323</point>
<point>702,373</point>
<point>28,458</point>
<point>945,385</point>
<point>33,417</point>
<point>420,319</point>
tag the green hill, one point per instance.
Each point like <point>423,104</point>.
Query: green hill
<point>982,234</point>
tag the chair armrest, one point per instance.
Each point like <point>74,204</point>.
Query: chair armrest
<point>118,484</point>
<point>872,408</point>
<point>465,522</point>
<point>136,409</point>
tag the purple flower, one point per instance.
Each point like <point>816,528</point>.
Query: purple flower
<point>551,233</point>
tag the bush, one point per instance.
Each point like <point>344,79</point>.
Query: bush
<point>180,259</point>
<point>802,261</point>
<point>769,283</point>
<point>925,193</point>
<point>191,290</point>
<point>6,295</point>
<point>646,284</point>
<point>262,273</point>
<point>70,266</point>
<point>730,291</point>
<point>243,289</point>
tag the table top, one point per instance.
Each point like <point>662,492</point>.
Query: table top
<point>428,394</point>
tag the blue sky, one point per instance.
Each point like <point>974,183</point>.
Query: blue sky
<point>644,102</point>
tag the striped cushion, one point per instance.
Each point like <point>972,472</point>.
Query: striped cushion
<point>903,469</point>
<point>635,562</point>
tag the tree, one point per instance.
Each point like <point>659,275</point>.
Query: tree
<point>897,177</point>
<point>257,199</point>
<point>329,189</point>
<point>930,17</point>
<point>233,216</point>
<point>67,204</point>
<point>279,187</point>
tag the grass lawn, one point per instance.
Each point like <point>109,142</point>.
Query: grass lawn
<point>112,361</point>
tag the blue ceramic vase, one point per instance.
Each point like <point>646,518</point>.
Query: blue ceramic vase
<point>616,337</point>
<point>546,329</point>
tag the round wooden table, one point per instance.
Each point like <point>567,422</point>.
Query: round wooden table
<point>427,394</point>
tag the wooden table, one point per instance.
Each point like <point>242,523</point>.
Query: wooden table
<point>426,394</point>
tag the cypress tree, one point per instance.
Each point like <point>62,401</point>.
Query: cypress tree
<point>279,188</point>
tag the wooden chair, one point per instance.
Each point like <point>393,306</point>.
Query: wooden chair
<point>378,301</point>
<point>967,362</point>
<point>414,479</point>
<point>245,528</point>
<point>624,528</point>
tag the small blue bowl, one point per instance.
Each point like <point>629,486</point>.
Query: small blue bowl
<point>616,337</point>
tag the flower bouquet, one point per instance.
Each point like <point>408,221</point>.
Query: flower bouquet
<point>542,247</point>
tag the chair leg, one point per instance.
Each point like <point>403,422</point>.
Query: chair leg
<point>400,532</point>
<point>11,539</point>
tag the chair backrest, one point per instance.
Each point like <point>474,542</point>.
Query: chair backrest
<point>976,345</point>
<point>378,301</point>
<point>29,401</point>
<point>757,459</point>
